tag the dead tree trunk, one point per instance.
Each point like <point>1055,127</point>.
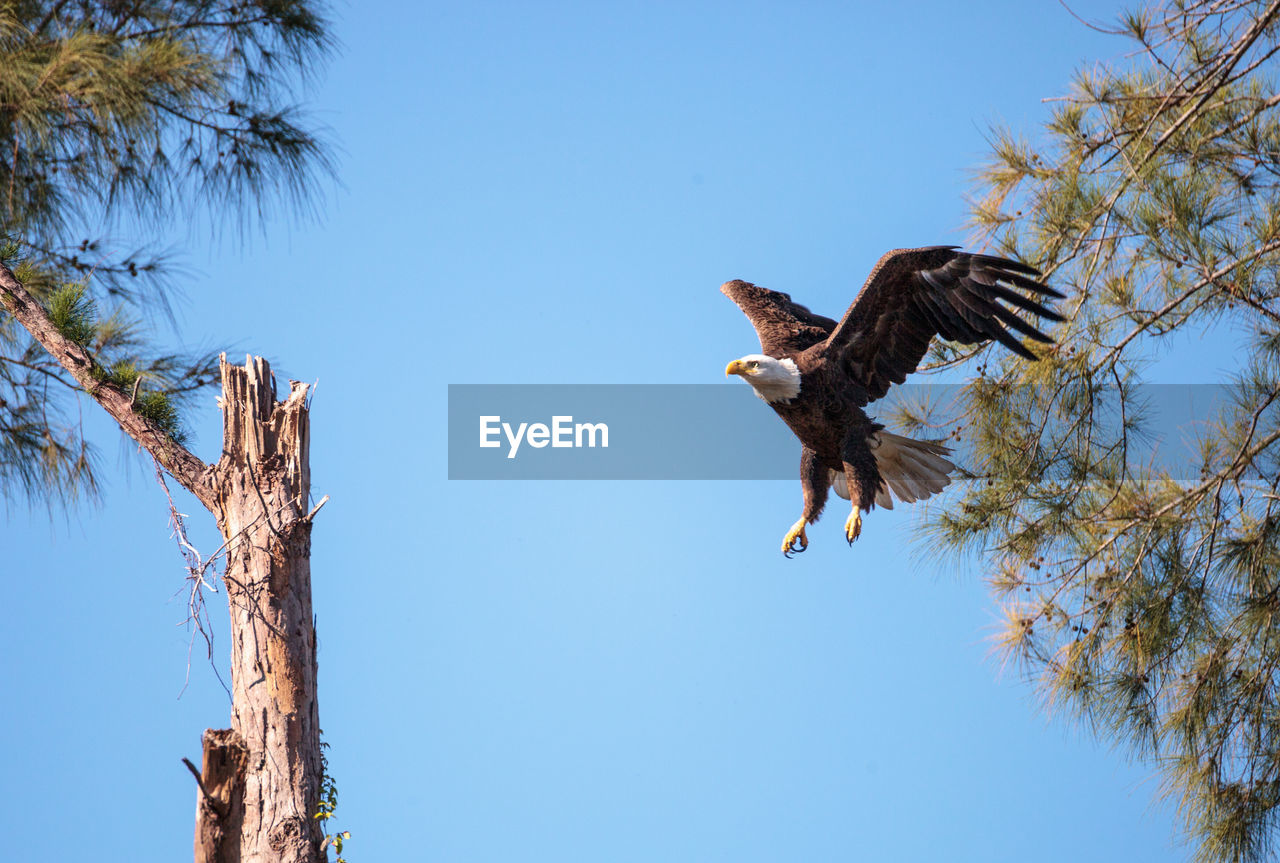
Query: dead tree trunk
<point>259,785</point>
<point>262,484</point>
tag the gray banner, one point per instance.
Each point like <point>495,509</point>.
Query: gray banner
<point>714,431</point>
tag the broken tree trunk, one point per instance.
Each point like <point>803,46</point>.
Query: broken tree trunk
<point>262,483</point>
<point>259,786</point>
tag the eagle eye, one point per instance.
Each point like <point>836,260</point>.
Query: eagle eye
<point>755,364</point>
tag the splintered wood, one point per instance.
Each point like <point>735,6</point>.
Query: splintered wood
<point>262,482</point>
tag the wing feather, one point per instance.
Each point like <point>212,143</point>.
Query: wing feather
<point>1016,299</point>
<point>914,294</point>
<point>1016,323</point>
<point>785,327</point>
<point>986,319</point>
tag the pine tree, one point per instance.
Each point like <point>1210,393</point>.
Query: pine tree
<point>115,119</point>
<point>1142,601</point>
<point>116,114</point>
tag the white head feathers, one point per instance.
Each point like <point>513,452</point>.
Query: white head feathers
<point>772,379</point>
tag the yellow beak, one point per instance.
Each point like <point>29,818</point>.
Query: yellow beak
<point>734,368</point>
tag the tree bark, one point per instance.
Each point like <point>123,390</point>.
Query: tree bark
<point>221,782</point>
<point>263,481</point>
<point>259,784</point>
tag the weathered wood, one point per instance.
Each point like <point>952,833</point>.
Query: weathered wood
<point>263,481</point>
<point>220,806</point>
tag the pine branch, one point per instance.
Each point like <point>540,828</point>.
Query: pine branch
<point>1146,600</point>
<point>188,470</point>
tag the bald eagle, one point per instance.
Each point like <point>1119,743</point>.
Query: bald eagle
<point>818,375</point>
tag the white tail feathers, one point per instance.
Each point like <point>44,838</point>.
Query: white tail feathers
<point>912,469</point>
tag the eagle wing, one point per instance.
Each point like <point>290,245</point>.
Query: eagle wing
<point>784,327</point>
<point>914,294</point>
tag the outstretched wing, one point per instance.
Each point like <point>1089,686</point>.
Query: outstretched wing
<point>914,294</point>
<point>784,327</point>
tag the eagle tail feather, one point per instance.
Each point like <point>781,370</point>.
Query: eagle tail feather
<point>912,469</point>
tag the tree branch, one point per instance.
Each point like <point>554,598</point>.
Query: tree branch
<point>191,472</point>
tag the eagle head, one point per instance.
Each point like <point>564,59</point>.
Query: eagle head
<point>772,379</point>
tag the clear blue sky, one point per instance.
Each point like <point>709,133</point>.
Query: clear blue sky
<point>580,671</point>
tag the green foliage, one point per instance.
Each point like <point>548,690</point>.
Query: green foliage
<point>123,374</point>
<point>1146,604</point>
<point>124,118</point>
<point>326,808</point>
<point>161,410</point>
<point>72,311</point>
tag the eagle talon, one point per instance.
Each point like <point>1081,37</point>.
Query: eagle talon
<point>795,541</point>
<point>853,526</point>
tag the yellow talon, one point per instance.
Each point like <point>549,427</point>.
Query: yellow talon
<point>795,541</point>
<point>853,527</point>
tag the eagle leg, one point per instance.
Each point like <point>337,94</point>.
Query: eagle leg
<point>861,476</point>
<point>815,482</point>
<point>795,541</point>
<point>853,526</point>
